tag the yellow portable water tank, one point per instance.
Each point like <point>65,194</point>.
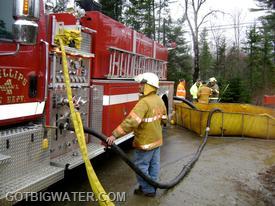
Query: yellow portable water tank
<point>235,119</point>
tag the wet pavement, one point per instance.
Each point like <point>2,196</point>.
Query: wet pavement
<point>230,171</point>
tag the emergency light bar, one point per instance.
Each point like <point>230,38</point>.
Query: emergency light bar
<point>26,9</point>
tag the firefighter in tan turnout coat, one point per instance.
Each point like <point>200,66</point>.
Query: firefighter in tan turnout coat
<point>145,120</point>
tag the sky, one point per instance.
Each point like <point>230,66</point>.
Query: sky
<point>225,5</point>
<point>223,23</point>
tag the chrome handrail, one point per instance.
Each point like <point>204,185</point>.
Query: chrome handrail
<point>11,53</point>
<point>46,67</point>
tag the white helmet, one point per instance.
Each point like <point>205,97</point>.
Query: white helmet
<point>212,79</point>
<point>148,78</point>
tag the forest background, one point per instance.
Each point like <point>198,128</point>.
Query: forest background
<point>244,67</point>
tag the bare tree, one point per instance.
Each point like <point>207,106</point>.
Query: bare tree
<point>236,17</point>
<point>219,48</point>
<point>217,34</point>
<point>195,22</point>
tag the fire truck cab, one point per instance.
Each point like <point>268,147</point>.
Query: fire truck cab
<point>103,58</point>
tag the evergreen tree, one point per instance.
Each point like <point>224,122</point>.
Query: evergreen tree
<point>268,20</point>
<point>148,17</point>
<point>149,20</point>
<point>179,59</point>
<point>232,63</point>
<point>206,59</point>
<point>253,49</point>
<point>267,55</point>
<point>220,66</point>
<point>162,15</point>
<point>139,15</point>
<point>112,8</point>
<point>236,92</point>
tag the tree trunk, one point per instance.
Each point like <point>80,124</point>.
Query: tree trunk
<point>196,62</point>
<point>154,20</point>
<point>159,16</point>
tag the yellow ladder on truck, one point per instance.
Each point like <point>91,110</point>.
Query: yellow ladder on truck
<point>126,65</point>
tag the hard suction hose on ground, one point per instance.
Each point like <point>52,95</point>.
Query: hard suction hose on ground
<point>186,168</point>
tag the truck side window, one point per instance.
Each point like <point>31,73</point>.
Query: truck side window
<point>6,19</point>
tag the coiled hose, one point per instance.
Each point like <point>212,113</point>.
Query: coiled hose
<point>185,170</point>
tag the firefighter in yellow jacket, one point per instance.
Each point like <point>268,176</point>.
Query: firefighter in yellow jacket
<point>145,120</point>
<point>181,92</point>
<point>204,93</point>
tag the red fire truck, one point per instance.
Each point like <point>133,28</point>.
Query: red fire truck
<point>103,58</point>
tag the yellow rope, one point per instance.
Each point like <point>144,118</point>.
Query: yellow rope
<point>97,188</point>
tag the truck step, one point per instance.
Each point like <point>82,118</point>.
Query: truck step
<point>4,159</point>
<point>73,159</point>
<point>33,181</point>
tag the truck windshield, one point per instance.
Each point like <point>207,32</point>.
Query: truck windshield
<point>6,20</point>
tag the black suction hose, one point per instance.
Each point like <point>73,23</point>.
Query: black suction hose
<point>185,170</point>
<point>190,104</point>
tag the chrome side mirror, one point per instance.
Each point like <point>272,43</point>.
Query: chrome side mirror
<point>25,32</point>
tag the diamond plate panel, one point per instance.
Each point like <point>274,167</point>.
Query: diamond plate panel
<point>23,145</point>
<point>33,181</point>
<point>28,167</point>
<point>96,108</point>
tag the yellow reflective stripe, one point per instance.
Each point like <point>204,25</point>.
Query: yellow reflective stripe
<point>136,117</point>
<point>120,130</point>
<point>148,146</point>
<point>151,119</point>
<point>181,90</point>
